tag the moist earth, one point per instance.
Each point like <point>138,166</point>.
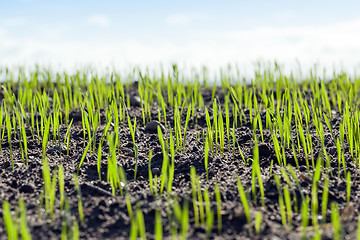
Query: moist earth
<point>106,216</point>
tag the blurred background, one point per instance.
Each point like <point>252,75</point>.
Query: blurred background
<point>121,34</point>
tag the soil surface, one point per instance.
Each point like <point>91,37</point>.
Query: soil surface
<point>106,216</point>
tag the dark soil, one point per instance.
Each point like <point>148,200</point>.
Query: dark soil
<point>106,216</point>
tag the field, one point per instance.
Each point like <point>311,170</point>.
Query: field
<point>153,156</point>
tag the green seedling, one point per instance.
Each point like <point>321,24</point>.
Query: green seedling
<point>158,226</point>
<point>49,188</point>
<point>209,213</point>
<point>194,196</point>
<point>258,220</point>
<point>186,125</point>
<point>165,164</point>
<point>75,231</point>
<point>282,211</point>
<point>150,173</point>
<point>218,207</point>
<point>9,222</point>
<point>8,127</point>
<point>24,229</point>
<point>84,156</point>
<point>80,205</point>
<point>325,195</point>
<point>335,221</point>
<point>61,186</point>
<point>206,157</point>
<point>45,138</point>
<point>257,172</point>
<point>287,199</point>
<point>67,137</point>
<point>348,187</point>
<point>244,200</point>
<point>99,156</point>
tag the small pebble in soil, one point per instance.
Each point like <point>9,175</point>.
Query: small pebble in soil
<point>135,101</point>
<point>155,171</point>
<point>61,149</point>
<point>19,165</point>
<point>152,127</point>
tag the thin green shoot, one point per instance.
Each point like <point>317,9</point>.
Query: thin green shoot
<point>67,137</point>
<point>218,207</point>
<point>206,157</point>
<point>98,164</point>
<point>84,156</point>
<point>244,200</point>
<point>24,229</point>
<point>287,199</point>
<point>348,187</point>
<point>9,222</point>
<point>158,226</point>
<point>61,186</point>
<point>304,217</point>
<point>75,231</point>
<point>150,173</point>
<point>209,213</point>
<point>186,125</point>
<point>141,223</point>
<point>258,221</point>
<point>8,126</point>
<point>194,195</point>
<point>335,221</point>
<point>184,221</point>
<point>80,206</point>
<point>165,164</point>
<point>325,196</point>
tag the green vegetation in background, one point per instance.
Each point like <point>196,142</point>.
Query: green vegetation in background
<point>289,114</point>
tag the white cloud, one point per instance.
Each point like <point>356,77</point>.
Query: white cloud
<point>184,19</point>
<point>327,44</point>
<point>53,32</point>
<point>13,21</point>
<point>99,20</point>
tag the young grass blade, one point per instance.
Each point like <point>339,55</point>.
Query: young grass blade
<point>8,126</point>
<point>244,200</point>
<point>67,137</point>
<point>10,225</point>
<point>206,157</point>
<point>61,186</point>
<point>99,161</point>
<point>24,229</point>
<point>150,173</point>
<point>324,204</point>
<point>75,231</point>
<point>218,206</point>
<point>84,156</point>
<point>165,164</point>
<point>141,223</point>
<point>258,219</point>
<point>257,173</point>
<point>185,221</point>
<point>335,220</point>
<point>209,213</point>
<point>158,226</point>
<point>45,137</point>
<point>348,187</point>
<point>80,206</point>
<point>186,124</point>
<point>194,196</point>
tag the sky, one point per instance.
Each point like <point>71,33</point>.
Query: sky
<point>122,34</point>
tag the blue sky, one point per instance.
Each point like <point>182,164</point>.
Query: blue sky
<point>190,33</point>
